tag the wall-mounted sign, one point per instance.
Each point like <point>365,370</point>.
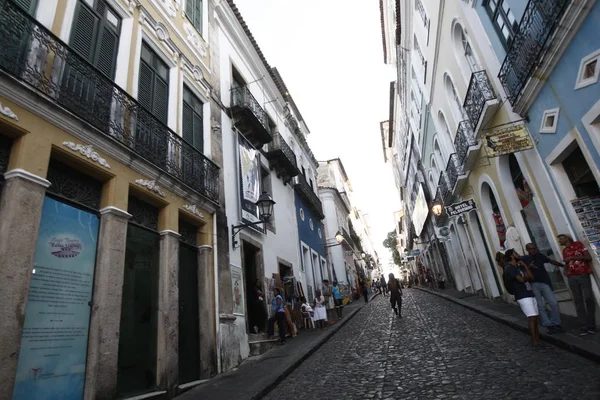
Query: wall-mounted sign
<point>420,212</point>
<point>462,207</point>
<point>444,231</point>
<point>507,139</point>
<point>415,252</point>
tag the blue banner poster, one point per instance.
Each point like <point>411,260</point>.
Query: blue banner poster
<point>54,342</point>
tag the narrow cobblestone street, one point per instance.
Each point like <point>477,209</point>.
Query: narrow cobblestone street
<point>438,350</point>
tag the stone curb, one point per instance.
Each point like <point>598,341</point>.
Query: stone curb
<point>518,325</point>
<point>284,374</point>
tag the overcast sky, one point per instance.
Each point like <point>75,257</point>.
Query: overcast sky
<point>330,55</point>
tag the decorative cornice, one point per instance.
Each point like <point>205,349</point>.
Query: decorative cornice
<point>4,110</point>
<point>151,186</point>
<point>193,209</point>
<point>205,247</point>
<point>87,151</point>
<point>115,211</point>
<point>28,176</point>
<point>168,232</point>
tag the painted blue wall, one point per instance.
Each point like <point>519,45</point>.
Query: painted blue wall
<point>307,235</point>
<point>559,92</point>
<point>517,7</point>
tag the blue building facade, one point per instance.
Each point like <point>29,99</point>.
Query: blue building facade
<point>311,233</point>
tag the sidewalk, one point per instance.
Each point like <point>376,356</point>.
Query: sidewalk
<point>510,314</point>
<point>256,376</point>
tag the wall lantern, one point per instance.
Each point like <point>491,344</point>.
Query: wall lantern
<point>265,211</point>
<point>437,208</point>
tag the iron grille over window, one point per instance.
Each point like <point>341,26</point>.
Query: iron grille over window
<point>37,58</point>
<point>188,232</point>
<point>142,213</point>
<point>70,184</point>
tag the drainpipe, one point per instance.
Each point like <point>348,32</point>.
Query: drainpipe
<point>216,285</point>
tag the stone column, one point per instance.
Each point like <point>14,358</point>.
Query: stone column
<point>208,319</point>
<point>105,321</point>
<point>20,213</point>
<point>168,312</point>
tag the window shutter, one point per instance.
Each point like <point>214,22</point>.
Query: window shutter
<point>145,86</point>
<point>161,100</point>
<point>188,123</point>
<point>189,8</point>
<point>198,137</point>
<point>84,32</point>
<point>198,14</point>
<point>27,5</point>
<point>107,55</point>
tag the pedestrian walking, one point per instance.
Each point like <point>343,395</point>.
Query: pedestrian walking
<point>278,316</point>
<point>578,270</point>
<point>430,281</point>
<point>383,285</point>
<point>338,300</point>
<point>441,281</point>
<point>542,288</point>
<point>363,288</point>
<point>395,295</point>
<point>517,278</point>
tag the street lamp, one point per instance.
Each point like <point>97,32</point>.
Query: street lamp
<point>437,208</point>
<point>265,211</point>
<point>339,237</point>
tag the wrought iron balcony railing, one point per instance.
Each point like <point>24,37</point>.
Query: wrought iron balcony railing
<point>480,91</point>
<point>280,153</point>
<point>34,56</point>
<point>453,170</point>
<point>242,97</point>
<point>539,21</point>
<point>421,9</point>
<point>443,187</point>
<point>308,194</point>
<point>464,139</point>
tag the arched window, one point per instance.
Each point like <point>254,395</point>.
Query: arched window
<point>437,152</point>
<point>445,128</point>
<point>463,51</point>
<point>454,99</point>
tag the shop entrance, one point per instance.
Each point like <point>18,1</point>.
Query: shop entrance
<point>252,277</point>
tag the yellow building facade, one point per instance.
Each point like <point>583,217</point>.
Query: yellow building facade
<point>109,188</point>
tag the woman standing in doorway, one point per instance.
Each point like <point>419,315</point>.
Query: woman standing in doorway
<point>278,316</point>
<point>257,308</point>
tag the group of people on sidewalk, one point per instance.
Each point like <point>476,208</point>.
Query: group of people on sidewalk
<point>526,278</point>
<point>327,300</point>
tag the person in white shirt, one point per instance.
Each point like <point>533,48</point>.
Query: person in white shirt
<point>320,310</point>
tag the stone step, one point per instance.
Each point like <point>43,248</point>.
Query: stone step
<point>258,347</point>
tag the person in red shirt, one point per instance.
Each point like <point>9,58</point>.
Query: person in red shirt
<point>578,270</point>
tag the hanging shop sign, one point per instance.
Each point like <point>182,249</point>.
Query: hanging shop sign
<point>444,231</point>
<point>415,252</point>
<point>460,208</point>
<point>507,139</point>
<point>250,178</point>
<point>420,212</point>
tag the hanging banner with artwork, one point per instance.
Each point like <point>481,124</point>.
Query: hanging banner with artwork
<point>237,285</point>
<point>506,139</point>
<point>53,353</point>
<point>588,212</point>
<point>249,181</point>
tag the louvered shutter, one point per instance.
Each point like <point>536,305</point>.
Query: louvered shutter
<point>188,123</point>
<point>197,14</point>
<point>27,5</point>
<point>189,8</point>
<point>145,86</point>
<point>161,100</point>
<point>107,53</point>
<point>83,37</point>
<point>198,137</point>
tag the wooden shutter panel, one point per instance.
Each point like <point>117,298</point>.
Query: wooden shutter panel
<point>189,8</point>
<point>107,54</point>
<point>188,123</point>
<point>145,86</point>
<point>198,137</point>
<point>161,100</point>
<point>198,14</point>
<point>84,32</point>
<point>27,5</point>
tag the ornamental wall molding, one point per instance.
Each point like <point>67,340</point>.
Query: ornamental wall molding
<point>4,110</point>
<point>160,31</point>
<point>169,7</point>
<point>194,38</point>
<point>87,151</point>
<point>193,209</point>
<point>151,186</point>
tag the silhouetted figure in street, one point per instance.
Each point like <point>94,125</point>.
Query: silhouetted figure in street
<point>395,295</point>
<point>383,285</point>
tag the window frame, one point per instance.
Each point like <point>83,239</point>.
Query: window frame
<point>197,101</point>
<point>499,11</point>
<point>191,18</point>
<point>581,81</point>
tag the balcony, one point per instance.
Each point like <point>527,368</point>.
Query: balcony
<point>539,22</point>
<point>457,176</point>
<point>282,158</point>
<point>250,118</point>
<point>308,195</point>
<point>466,145</point>
<point>35,57</point>
<point>481,101</point>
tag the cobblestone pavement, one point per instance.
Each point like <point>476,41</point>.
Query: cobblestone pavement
<point>438,350</point>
